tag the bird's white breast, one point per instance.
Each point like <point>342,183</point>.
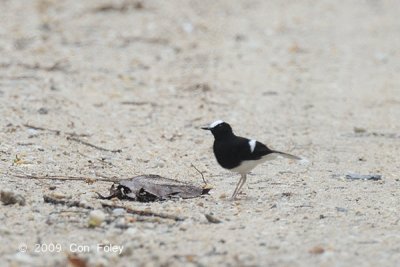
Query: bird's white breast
<point>247,165</point>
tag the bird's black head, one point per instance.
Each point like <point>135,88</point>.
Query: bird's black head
<point>219,129</point>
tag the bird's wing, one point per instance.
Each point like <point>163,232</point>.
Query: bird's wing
<point>258,150</point>
<point>261,150</point>
<point>251,149</point>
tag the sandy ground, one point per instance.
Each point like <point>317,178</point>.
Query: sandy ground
<point>144,76</point>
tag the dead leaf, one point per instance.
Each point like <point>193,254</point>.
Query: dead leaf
<point>149,188</point>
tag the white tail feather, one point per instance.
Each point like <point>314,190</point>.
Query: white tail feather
<point>288,156</point>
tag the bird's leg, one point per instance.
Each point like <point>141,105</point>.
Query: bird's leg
<point>239,186</point>
<point>244,177</point>
<point>236,189</point>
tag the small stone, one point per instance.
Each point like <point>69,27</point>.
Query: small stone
<point>76,260</point>
<point>121,223</point>
<point>317,250</point>
<point>58,195</point>
<point>23,258</point>
<point>9,198</point>
<point>97,261</point>
<point>356,176</point>
<point>131,231</point>
<point>159,163</point>
<point>32,132</point>
<point>359,130</point>
<point>223,196</point>
<point>96,218</point>
<point>118,212</point>
<point>4,231</point>
<point>43,111</point>
<point>84,204</point>
<point>382,57</point>
<point>211,219</point>
<point>188,27</point>
<point>131,248</point>
<point>339,209</point>
<point>304,161</point>
<point>240,37</point>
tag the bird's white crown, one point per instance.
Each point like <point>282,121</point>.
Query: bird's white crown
<point>215,123</point>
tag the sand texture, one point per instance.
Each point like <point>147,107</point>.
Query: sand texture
<point>96,91</point>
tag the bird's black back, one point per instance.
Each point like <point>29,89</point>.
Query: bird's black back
<point>232,150</point>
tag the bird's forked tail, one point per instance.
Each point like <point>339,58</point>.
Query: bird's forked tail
<point>286,155</point>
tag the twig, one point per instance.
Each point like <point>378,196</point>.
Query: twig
<point>22,77</point>
<point>144,212</point>
<point>125,6</point>
<point>56,66</point>
<point>91,145</point>
<point>202,176</point>
<point>53,200</point>
<point>138,103</point>
<point>62,178</point>
<point>25,144</point>
<point>128,40</point>
<point>57,132</point>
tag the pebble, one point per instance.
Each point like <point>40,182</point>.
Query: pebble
<point>58,195</point>
<point>188,27</point>
<point>120,223</point>
<point>339,209</point>
<point>22,258</point>
<point>211,219</point>
<point>118,212</point>
<point>359,130</point>
<point>98,261</point>
<point>9,198</point>
<point>382,57</point>
<point>159,163</point>
<point>43,111</point>
<point>317,250</point>
<point>304,161</point>
<point>131,248</point>
<point>84,204</point>
<point>223,196</point>
<point>356,176</point>
<point>4,231</point>
<point>32,131</point>
<point>131,231</point>
<point>96,218</point>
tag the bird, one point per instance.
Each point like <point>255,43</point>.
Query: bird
<point>239,154</point>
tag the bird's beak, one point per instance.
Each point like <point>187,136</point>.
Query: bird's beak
<point>205,128</point>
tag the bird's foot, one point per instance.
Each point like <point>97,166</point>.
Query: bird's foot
<point>235,196</point>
